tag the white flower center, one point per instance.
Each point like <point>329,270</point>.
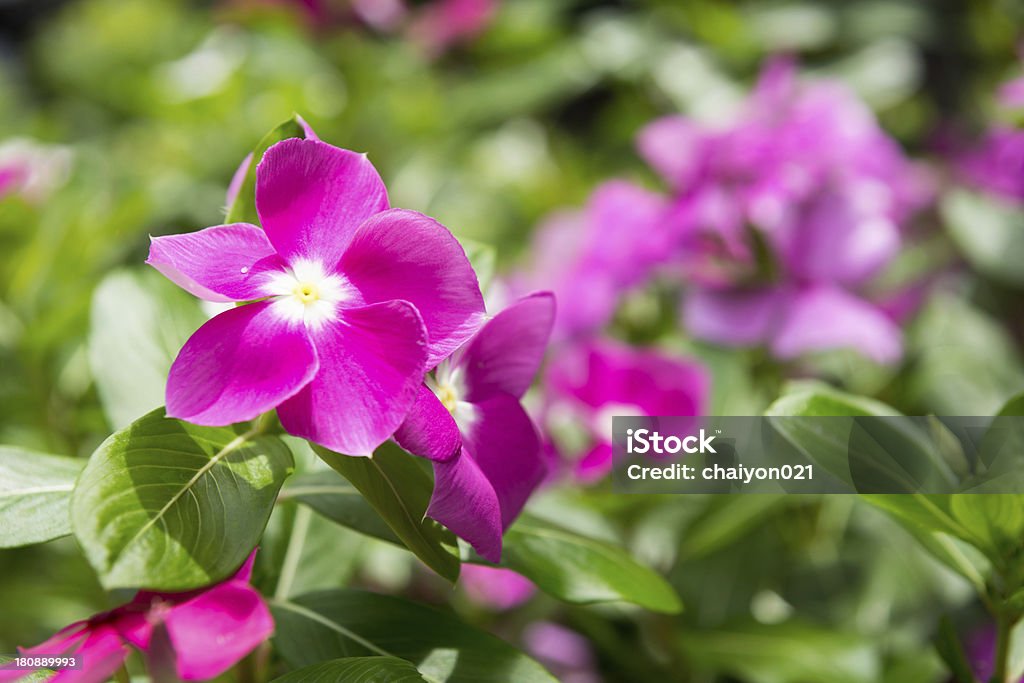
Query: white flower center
<point>309,293</point>
<point>450,388</point>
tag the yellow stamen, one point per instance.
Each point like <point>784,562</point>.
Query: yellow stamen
<point>306,292</point>
<point>446,394</point>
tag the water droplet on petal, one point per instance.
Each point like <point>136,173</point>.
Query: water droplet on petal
<point>245,269</point>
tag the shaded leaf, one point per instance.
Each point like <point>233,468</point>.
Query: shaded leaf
<point>989,232</point>
<point>355,670</point>
<point>584,570</point>
<point>399,490</point>
<point>168,505</point>
<point>338,500</point>
<point>347,623</point>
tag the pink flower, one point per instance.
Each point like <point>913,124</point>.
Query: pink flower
<point>783,215</point>
<point>32,170</point>
<point>589,384</point>
<point>351,302</point>
<point>589,258</point>
<point>996,164</point>
<point>497,588</point>
<point>468,420</point>
<point>445,23</point>
<point>207,631</point>
<point>567,653</point>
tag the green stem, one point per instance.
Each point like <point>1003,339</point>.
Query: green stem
<point>121,675</point>
<point>999,669</point>
<point>293,555</point>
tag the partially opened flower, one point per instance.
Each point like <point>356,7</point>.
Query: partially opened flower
<point>203,632</point>
<point>587,385</point>
<point>347,303</point>
<point>467,419</point>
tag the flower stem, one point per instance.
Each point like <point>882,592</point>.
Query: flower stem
<point>1002,657</point>
<point>293,554</point>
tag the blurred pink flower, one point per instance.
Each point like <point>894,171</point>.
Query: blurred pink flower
<point>496,588</point>
<point>32,170</point>
<point>443,24</point>
<point>468,420</point>
<point>566,653</point>
<point>591,257</point>
<point>783,215</point>
<point>996,163</point>
<point>351,303</point>
<point>204,632</point>
<point>588,384</point>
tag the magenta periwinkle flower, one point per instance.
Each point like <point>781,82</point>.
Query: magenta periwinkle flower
<point>346,303</point>
<point>589,384</point>
<point>468,420</point>
<point>996,164</point>
<point>784,215</point>
<point>204,632</point>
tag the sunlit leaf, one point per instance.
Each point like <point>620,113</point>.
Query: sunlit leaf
<point>168,505</point>
<point>35,492</point>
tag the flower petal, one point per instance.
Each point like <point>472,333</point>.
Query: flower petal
<point>466,503</point>
<point>825,318</point>
<point>101,654</point>
<point>240,364</point>
<point>676,148</point>
<point>429,430</point>
<point>405,255</point>
<point>506,353</point>
<point>733,316</point>
<point>371,367</point>
<point>506,447</point>
<point>497,588</point>
<point>222,263</point>
<point>214,630</point>
<point>312,196</point>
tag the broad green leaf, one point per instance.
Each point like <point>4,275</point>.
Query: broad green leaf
<point>997,521</point>
<point>784,653</point>
<point>355,670</point>
<point>1014,407</point>
<point>347,623</point>
<point>882,456</point>
<point>725,519</point>
<point>35,492</point>
<point>139,322</point>
<point>989,232</point>
<point>168,505</point>
<point>399,490</point>
<point>243,208</point>
<point>338,500</point>
<point>583,570</point>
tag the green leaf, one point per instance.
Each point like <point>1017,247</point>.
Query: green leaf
<point>339,501</point>
<point>243,209</point>
<point>881,456</point>
<point>784,653</point>
<point>989,232</point>
<point>346,623</point>
<point>139,321</point>
<point>583,570</point>
<point>168,505</point>
<point>996,521</point>
<point>349,669</point>
<point>35,490</point>
<point>399,490</point>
